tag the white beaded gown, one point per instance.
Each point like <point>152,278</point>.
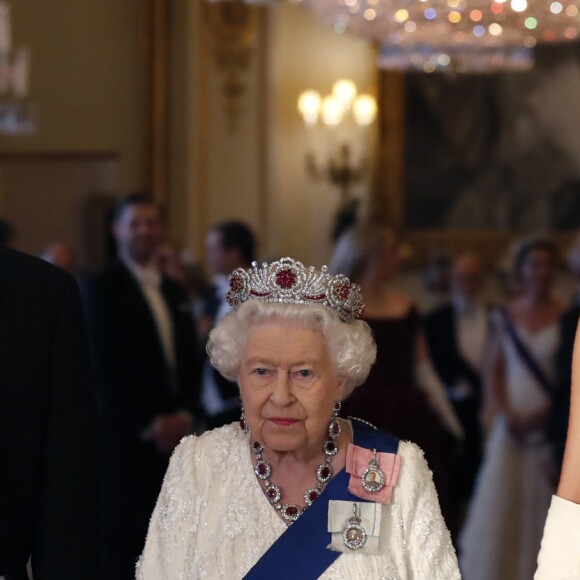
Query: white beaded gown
<point>503,531</point>
<point>212,520</point>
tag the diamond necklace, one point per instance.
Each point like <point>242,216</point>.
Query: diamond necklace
<point>290,512</point>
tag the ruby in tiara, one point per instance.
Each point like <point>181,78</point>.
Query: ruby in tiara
<point>236,283</point>
<point>289,281</point>
<point>286,278</point>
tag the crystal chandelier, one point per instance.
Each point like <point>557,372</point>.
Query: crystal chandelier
<point>16,112</point>
<point>454,35</point>
<point>253,2</point>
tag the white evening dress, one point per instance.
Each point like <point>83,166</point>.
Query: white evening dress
<point>212,520</point>
<point>503,530</point>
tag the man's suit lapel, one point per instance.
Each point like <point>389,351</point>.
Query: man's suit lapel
<point>130,286</point>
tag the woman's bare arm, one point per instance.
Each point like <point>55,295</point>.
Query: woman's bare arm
<point>569,487</point>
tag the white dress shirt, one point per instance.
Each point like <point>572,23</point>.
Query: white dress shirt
<point>471,325</point>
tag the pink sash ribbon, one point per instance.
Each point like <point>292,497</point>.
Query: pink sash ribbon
<point>357,461</point>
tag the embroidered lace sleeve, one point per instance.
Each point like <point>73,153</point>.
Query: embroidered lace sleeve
<point>429,552</point>
<point>171,518</point>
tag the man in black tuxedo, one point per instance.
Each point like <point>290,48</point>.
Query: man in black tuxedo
<point>48,469</point>
<point>456,334</point>
<point>229,245</point>
<point>147,378</point>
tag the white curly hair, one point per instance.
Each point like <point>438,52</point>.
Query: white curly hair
<point>351,345</point>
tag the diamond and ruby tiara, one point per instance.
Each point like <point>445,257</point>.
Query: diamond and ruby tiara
<point>290,282</point>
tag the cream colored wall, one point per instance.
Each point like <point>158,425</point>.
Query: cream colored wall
<point>215,174</point>
<point>218,175</point>
<point>88,81</point>
<point>306,54</point>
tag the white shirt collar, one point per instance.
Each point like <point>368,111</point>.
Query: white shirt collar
<point>145,275</point>
<point>464,306</point>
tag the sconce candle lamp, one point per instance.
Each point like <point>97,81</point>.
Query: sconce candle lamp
<point>347,112</point>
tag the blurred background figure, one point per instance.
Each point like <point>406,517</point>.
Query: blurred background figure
<point>179,267</point>
<point>457,334</point>
<point>503,530</point>
<point>436,278</point>
<point>7,233</point>
<point>147,377</point>
<point>169,263</point>
<point>61,255</point>
<point>402,393</point>
<point>229,245</point>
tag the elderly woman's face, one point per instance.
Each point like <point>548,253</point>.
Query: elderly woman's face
<point>288,385</point>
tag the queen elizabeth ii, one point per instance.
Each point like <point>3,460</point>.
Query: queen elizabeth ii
<point>294,491</point>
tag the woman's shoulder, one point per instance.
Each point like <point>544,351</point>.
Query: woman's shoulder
<point>215,446</point>
<point>415,476</point>
<point>412,457</point>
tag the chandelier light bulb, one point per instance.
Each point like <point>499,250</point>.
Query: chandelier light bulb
<point>519,5</point>
<point>332,111</point>
<point>530,42</point>
<point>401,15</point>
<point>370,14</point>
<point>344,90</point>
<point>364,109</point>
<point>531,23</point>
<point>309,106</point>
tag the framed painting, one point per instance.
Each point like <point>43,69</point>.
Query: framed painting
<point>474,161</point>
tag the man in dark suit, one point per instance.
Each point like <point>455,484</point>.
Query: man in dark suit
<point>147,377</point>
<point>456,334</point>
<point>48,470</point>
<point>229,245</point>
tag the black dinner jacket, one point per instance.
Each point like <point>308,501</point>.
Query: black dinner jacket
<point>441,335</point>
<point>129,362</point>
<point>134,386</point>
<point>47,429</point>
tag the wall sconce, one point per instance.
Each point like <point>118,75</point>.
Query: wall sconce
<point>344,114</point>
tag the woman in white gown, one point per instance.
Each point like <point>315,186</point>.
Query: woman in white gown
<point>233,503</point>
<point>503,530</point>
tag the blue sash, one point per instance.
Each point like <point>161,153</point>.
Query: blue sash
<point>526,356</point>
<point>301,551</point>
